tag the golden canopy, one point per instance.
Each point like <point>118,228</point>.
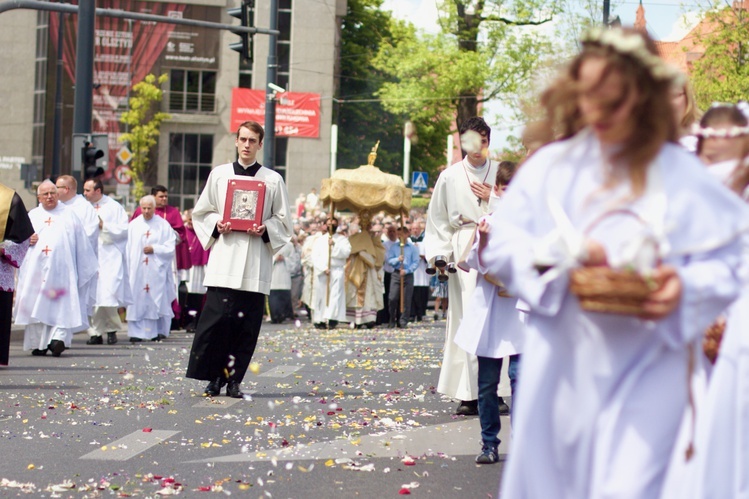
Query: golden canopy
<point>366,187</point>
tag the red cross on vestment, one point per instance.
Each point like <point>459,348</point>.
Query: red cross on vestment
<point>147,288</point>
<point>146,261</point>
<point>97,206</point>
<point>49,221</point>
<point>46,251</point>
<point>148,234</point>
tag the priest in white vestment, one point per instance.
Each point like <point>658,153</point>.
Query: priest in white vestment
<point>67,186</point>
<point>329,256</point>
<point>113,288</point>
<point>308,268</point>
<point>54,278</point>
<point>461,197</point>
<point>150,251</point>
<point>240,266</point>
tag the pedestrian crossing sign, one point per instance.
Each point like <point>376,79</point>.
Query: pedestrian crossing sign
<point>419,181</point>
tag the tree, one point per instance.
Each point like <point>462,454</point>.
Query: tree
<point>481,54</point>
<point>143,127</point>
<point>361,115</point>
<point>722,73</point>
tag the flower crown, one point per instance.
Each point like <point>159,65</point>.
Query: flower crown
<point>724,133</point>
<point>632,45</point>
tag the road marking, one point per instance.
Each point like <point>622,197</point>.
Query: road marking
<point>130,445</point>
<point>280,372</point>
<point>460,438</point>
<point>221,402</point>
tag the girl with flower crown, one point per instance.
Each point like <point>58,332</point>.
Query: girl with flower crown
<point>721,460</point>
<point>603,392</point>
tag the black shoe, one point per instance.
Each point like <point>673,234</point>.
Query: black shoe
<point>504,409</point>
<point>489,455</point>
<point>321,325</point>
<point>135,340</point>
<point>214,387</point>
<point>332,324</point>
<point>468,408</point>
<point>233,391</point>
<point>111,338</point>
<point>392,325</point>
<point>95,340</point>
<point>39,353</point>
<point>56,347</point>
<point>159,337</point>
<point>403,324</point>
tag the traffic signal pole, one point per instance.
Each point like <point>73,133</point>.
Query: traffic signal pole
<point>84,73</point>
<point>269,142</point>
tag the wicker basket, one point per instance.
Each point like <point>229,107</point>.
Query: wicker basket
<point>603,289</point>
<point>712,340</point>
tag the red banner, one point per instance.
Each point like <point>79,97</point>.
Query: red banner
<point>297,113</point>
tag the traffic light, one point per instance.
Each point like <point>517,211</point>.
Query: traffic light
<point>244,13</point>
<point>89,156</point>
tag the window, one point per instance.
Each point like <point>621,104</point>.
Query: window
<point>190,160</point>
<point>283,46</point>
<point>245,66</point>
<point>192,91</point>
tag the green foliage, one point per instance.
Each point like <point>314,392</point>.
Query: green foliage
<point>480,54</point>
<point>362,124</point>
<point>722,73</point>
<point>144,126</point>
<point>420,203</point>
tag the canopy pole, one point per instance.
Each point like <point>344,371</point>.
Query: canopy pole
<point>330,250</point>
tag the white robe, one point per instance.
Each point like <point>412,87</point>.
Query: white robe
<point>113,289</point>
<point>308,269</point>
<point>719,467</point>
<point>491,326</point>
<point>453,213</point>
<point>151,277</point>
<point>282,268</point>
<point>238,260</point>
<point>54,278</point>
<point>603,394</point>
<point>329,307</point>
<point>87,215</point>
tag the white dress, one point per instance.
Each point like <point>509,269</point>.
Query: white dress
<point>329,305</point>
<point>603,394</point>
<point>719,467</point>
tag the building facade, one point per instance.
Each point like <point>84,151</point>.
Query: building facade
<point>203,73</point>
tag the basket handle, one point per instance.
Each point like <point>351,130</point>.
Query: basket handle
<point>603,216</point>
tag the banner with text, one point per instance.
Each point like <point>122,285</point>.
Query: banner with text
<point>297,113</point>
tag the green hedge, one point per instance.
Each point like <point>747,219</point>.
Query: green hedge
<point>419,202</point>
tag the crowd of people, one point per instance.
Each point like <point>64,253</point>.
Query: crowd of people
<point>612,259</point>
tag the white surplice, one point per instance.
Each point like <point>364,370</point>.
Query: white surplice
<point>329,305</point>
<point>238,260</point>
<point>453,213</point>
<point>603,394</point>
<point>54,278</point>
<point>150,277</point>
<point>308,269</point>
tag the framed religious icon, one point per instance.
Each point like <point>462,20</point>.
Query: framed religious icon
<point>244,203</point>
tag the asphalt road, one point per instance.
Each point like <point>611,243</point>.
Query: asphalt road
<point>340,413</point>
